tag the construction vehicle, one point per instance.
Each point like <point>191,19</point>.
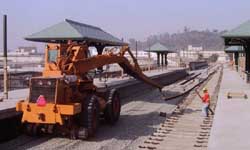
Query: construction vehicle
<point>64,99</point>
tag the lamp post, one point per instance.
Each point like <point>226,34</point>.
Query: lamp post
<point>148,56</point>
<point>136,49</point>
<point>5,56</point>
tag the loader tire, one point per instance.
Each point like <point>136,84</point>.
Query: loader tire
<point>113,107</point>
<point>83,134</point>
<point>32,129</point>
<point>90,117</point>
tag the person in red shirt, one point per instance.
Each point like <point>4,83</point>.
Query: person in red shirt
<point>206,101</point>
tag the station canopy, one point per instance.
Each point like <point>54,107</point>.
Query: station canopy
<point>233,49</point>
<point>75,31</point>
<point>239,35</point>
<point>159,48</point>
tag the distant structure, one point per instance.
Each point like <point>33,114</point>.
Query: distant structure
<point>195,52</point>
<point>162,52</point>
<point>24,58</point>
<point>194,48</point>
<point>26,50</point>
<point>236,54</point>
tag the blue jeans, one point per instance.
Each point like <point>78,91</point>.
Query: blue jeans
<point>205,109</point>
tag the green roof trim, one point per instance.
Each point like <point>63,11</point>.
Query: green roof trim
<point>72,30</point>
<point>158,47</point>
<point>232,49</point>
<point>243,30</point>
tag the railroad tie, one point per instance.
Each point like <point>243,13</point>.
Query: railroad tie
<point>158,135</point>
<point>152,142</point>
<point>165,129</point>
<point>201,138</point>
<point>201,141</point>
<point>171,121</point>
<point>206,125</point>
<point>162,131</point>
<point>199,145</point>
<point>147,146</point>
<point>156,138</point>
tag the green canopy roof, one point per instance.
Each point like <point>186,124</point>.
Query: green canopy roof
<point>158,47</point>
<point>72,30</point>
<point>242,30</point>
<point>232,49</point>
<point>238,36</point>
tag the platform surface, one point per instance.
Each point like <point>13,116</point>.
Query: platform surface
<point>230,130</point>
<point>13,97</point>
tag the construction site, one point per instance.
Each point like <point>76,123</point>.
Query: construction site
<point>91,90</point>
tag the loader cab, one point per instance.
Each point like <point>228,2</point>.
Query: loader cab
<point>52,54</point>
<point>66,53</point>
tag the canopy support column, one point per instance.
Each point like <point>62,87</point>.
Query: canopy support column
<point>166,59</point>
<point>162,59</point>
<point>158,59</point>
<point>247,62</point>
<point>236,59</point>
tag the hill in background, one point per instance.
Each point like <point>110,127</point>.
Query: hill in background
<point>209,40</point>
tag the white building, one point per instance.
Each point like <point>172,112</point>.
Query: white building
<point>194,55</point>
<point>24,57</point>
<point>194,48</point>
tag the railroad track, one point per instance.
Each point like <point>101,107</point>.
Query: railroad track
<point>184,87</point>
<point>185,128</point>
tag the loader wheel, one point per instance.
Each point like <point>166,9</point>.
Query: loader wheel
<point>83,133</point>
<point>32,129</point>
<point>89,117</point>
<point>113,108</point>
<point>93,116</point>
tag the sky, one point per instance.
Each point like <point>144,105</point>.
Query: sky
<point>123,18</point>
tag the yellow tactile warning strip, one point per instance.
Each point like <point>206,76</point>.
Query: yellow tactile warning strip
<point>239,95</point>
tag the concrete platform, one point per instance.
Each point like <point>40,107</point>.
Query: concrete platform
<point>7,106</point>
<point>124,85</point>
<point>230,130</point>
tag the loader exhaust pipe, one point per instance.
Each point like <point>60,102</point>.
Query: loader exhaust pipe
<point>5,56</point>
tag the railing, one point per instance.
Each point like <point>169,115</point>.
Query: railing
<point>18,80</point>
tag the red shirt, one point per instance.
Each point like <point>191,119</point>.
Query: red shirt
<point>206,98</point>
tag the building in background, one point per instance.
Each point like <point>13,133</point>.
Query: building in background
<point>25,58</point>
<point>194,48</point>
<point>197,52</point>
<point>26,50</point>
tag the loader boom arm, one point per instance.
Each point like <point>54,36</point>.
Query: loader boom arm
<point>84,65</point>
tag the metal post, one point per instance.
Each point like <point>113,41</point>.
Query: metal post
<point>149,57</point>
<point>166,59</point>
<point>247,62</point>
<point>158,60</point>
<point>136,49</point>
<point>162,59</point>
<point>5,56</point>
<point>236,59</point>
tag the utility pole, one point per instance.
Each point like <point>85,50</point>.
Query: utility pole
<point>149,56</point>
<point>5,56</point>
<point>136,49</point>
